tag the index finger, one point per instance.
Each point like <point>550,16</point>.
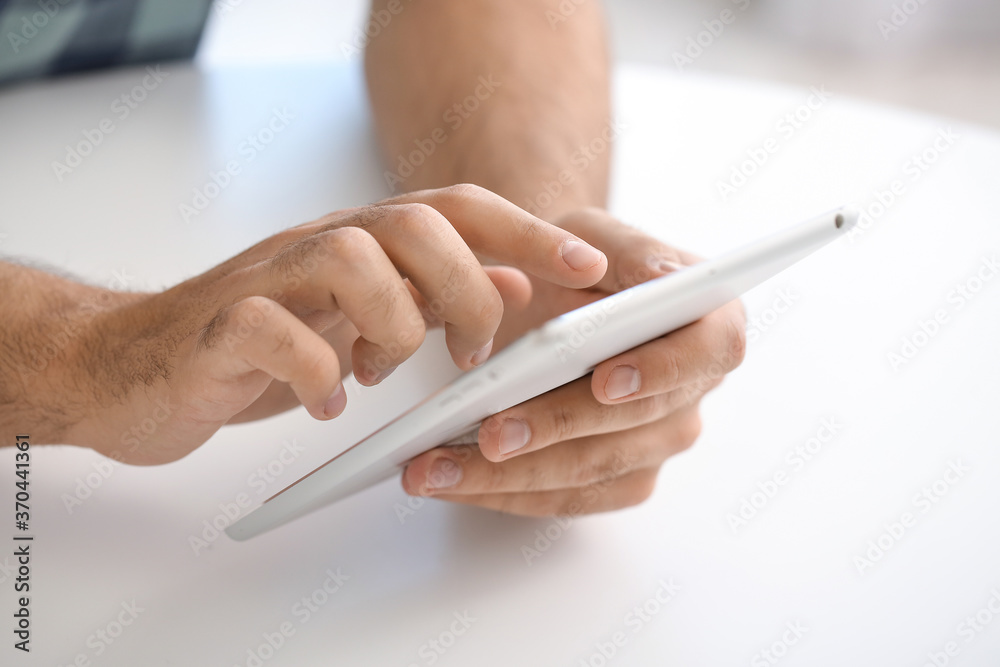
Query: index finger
<point>492,226</point>
<point>633,256</point>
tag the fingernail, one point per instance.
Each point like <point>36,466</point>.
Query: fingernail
<point>667,266</point>
<point>444,473</point>
<point>514,434</point>
<point>623,381</point>
<point>483,354</point>
<point>336,403</point>
<point>384,374</point>
<point>580,256</point>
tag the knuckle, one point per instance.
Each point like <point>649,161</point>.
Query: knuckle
<point>236,323</point>
<point>212,331</point>
<point>250,309</point>
<point>328,221</point>
<point>536,478</point>
<point>530,232</point>
<point>639,487</point>
<point>661,254</point>
<point>454,301</point>
<point>349,243</point>
<point>642,263</point>
<point>594,466</point>
<point>546,504</point>
<point>389,351</point>
<point>363,217</point>
<point>491,311</point>
<point>417,218</point>
<point>284,342</point>
<point>712,383</point>
<point>650,409</point>
<point>633,271</point>
<point>412,337</point>
<point>381,301</point>
<point>670,370</point>
<point>324,366</point>
<point>496,474</point>
<point>464,191</point>
<point>514,503</point>
<point>689,431</point>
<point>564,505</point>
<point>563,423</point>
<point>286,237</point>
<point>736,344</point>
<point>464,453</point>
<point>457,277</point>
<point>580,220</point>
<point>287,260</point>
<point>690,395</point>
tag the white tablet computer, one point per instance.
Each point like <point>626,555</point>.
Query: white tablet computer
<point>562,350</point>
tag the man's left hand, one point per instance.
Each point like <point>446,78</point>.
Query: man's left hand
<point>597,443</point>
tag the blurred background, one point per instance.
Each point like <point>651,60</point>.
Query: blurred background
<point>939,56</point>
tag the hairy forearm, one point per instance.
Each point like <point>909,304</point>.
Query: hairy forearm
<point>512,95</point>
<point>47,322</point>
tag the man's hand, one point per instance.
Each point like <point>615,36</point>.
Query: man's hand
<point>597,443</point>
<point>542,139</point>
<point>150,379</point>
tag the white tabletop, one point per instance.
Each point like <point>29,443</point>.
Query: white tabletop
<point>670,582</point>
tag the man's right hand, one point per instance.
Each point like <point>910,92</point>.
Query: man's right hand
<point>152,378</point>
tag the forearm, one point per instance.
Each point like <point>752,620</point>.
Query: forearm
<point>47,321</point>
<point>538,132</point>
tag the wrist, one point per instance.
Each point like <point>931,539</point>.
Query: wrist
<point>544,180</point>
<point>60,345</point>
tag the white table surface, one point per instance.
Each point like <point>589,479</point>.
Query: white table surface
<point>824,358</point>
